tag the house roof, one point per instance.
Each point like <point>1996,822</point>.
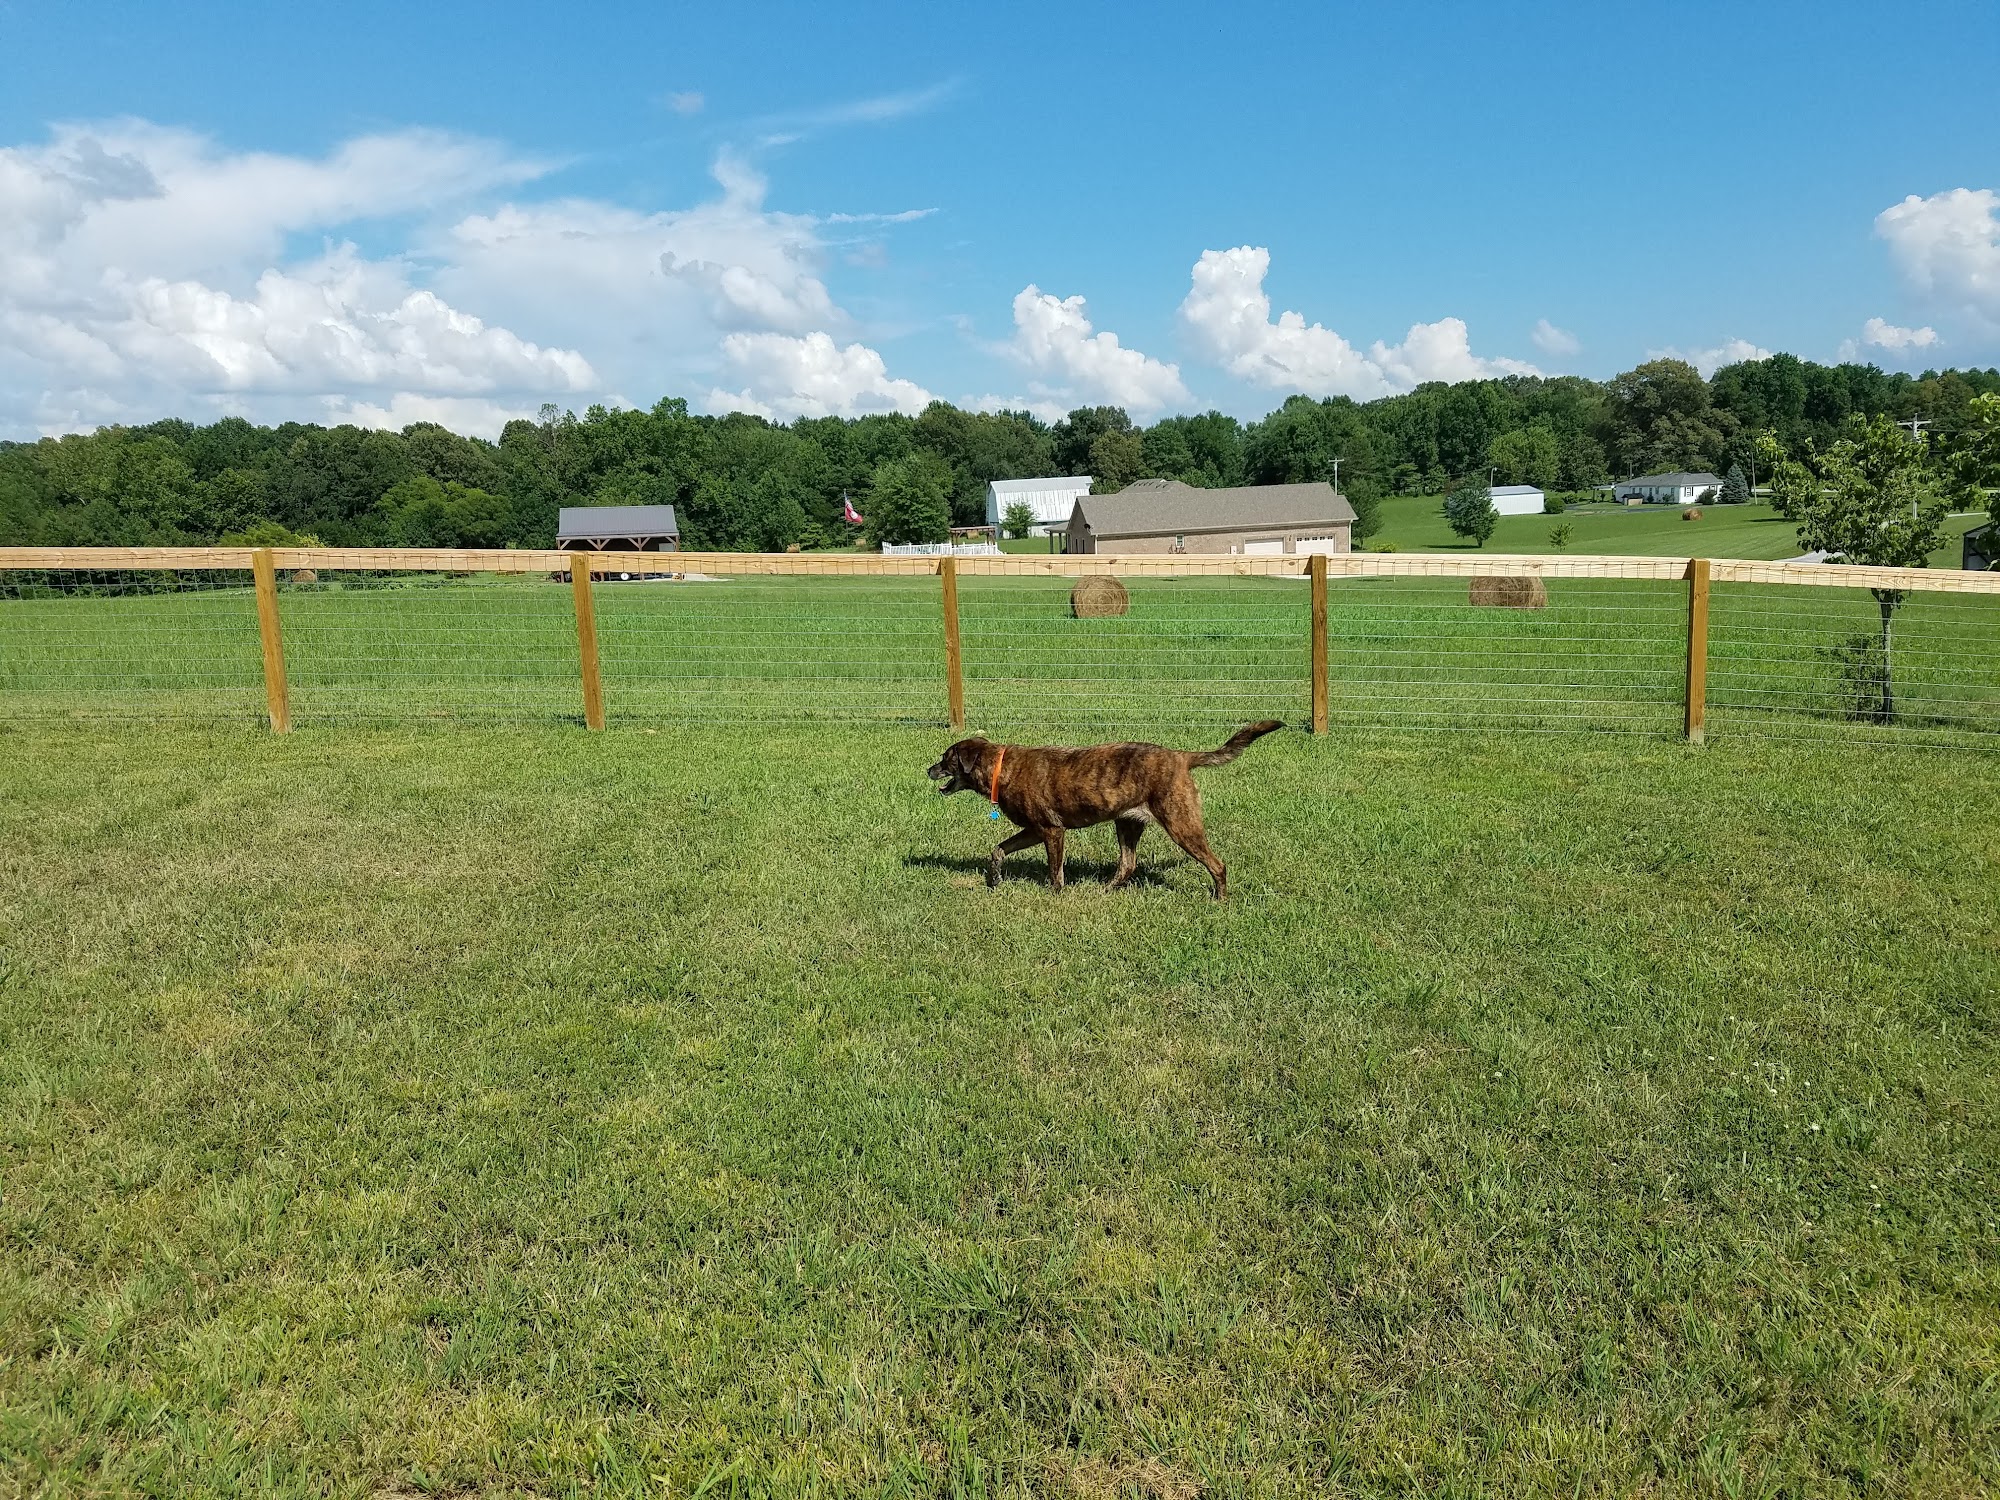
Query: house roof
<point>1074,483</point>
<point>1674,479</point>
<point>1166,507</point>
<point>588,523</point>
<point>1515,489</point>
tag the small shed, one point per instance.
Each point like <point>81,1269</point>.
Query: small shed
<point>618,528</point>
<point>1980,548</point>
<point>1517,499</point>
<point>1164,515</point>
<point>1050,501</point>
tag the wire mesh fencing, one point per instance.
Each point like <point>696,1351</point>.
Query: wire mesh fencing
<point>1193,647</point>
<point>152,643</point>
<point>374,645</point>
<point>1193,644</point>
<point>1890,665</point>
<point>770,646</point>
<point>1518,652</point>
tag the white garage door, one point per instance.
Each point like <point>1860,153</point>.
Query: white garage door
<point>1265,549</point>
<point>1310,544</point>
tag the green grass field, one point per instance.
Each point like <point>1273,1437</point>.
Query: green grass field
<point>1193,654</point>
<point>523,1112</point>
<point>1415,523</point>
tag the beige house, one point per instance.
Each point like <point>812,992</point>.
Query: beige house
<point>1164,515</point>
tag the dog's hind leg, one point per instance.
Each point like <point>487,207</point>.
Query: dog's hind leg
<point>1052,839</point>
<point>1179,813</point>
<point>1022,840</point>
<point>1129,830</point>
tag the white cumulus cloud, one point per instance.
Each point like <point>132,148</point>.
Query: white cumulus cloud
<point>811,376</point>
<point>143,269</point>
<point>1228,314</point>
<point>1896,341</point>
<point>1948,247</point>
<point>1054,338</point>
<point>1731,351</point>
<point>1885,335</point>
<point>1559,342</point>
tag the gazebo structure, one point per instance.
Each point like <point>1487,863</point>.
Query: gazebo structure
<point>618,528</point>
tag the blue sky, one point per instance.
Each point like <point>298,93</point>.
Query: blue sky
<point>381,213</point>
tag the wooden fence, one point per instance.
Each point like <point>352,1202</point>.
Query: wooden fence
<point>1699,575</point>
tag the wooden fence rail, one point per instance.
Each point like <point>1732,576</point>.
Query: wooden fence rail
<point>265,565</point>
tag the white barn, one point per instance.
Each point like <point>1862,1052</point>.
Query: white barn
<point>1517,499</point>
<point>1051,500</point>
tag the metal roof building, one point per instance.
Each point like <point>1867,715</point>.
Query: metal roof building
<point>618,528</point>
<point>1517,499</point>
<point>1051,500</point>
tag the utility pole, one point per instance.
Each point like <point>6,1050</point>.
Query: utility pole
<point>1336,476</point>
<point>1916,426</point>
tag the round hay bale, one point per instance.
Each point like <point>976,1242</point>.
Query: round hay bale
<point>305,575</point>
<point>1097,596</point>
<point>1510,593</point>
<point>1692,513</point>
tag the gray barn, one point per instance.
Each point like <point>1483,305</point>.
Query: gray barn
<point>1164,515</point>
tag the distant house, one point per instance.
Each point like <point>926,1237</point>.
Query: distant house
<point>1980,548</point>
<point>617,528</point>
<point>1050,500</point>
<point>1164,515</point>
<point>1667,489</point>
<point>1517,499</point>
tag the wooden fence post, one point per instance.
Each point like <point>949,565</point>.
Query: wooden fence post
<point>1697,674</point>
<point>277,696</point>
<point>953,675</point>
<point>586,639</point>
<point>1316,566</point>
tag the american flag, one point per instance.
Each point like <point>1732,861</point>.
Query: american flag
<point>847,510</point>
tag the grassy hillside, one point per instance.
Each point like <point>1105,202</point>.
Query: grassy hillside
<point>1415,523</point>
<point>387,1113</point>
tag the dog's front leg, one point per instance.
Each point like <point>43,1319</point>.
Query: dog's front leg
<point>1014,845</point>
<point>1052,840</point>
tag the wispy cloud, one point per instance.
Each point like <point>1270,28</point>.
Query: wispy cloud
<point>907,216</point>
<point>690,102</point>
<point>878,109</point>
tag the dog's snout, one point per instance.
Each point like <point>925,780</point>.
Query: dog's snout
<point>938,772</point>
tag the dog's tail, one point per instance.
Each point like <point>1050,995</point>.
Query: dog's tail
<point>1235,745</point>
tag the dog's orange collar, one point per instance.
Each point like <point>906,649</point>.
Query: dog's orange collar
<point>999,760</point>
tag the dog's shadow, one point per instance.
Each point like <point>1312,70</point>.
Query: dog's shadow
<point>1025,866</point>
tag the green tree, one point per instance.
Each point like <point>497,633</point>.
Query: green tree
<point>1735,488</point>
<point>1018,521</point>
<point>1978,460</point>
<point>1527,455</point>
<point>1664,420</point>
<point>1872,499</point>
<point>910,501</point>
<point>1469,511</point>
<point>1561,536</point>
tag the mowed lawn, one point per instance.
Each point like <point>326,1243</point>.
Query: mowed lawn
<point>474,1111</point>
<point>1415,523</point>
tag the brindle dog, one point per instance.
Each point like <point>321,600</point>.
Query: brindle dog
<point>1048,790</point>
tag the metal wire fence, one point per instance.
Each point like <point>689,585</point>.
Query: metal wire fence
<point>1832,661</point>
<point>151,643</point>
<point>1406,641</point>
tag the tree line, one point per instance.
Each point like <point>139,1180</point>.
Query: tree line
<point>739,482</point>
